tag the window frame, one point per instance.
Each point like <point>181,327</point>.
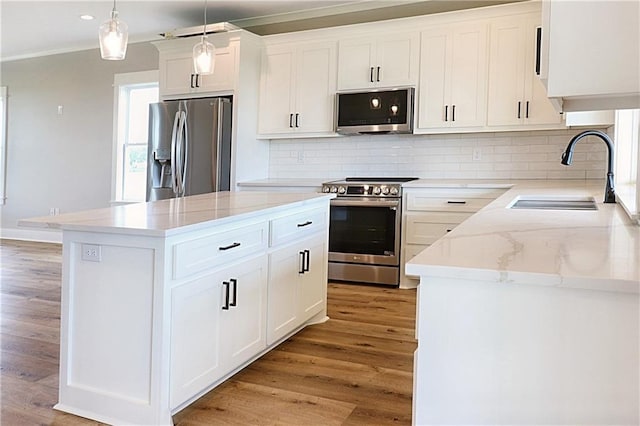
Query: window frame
<point>121,83</point>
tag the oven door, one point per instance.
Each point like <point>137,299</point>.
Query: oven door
<point>365,231</point>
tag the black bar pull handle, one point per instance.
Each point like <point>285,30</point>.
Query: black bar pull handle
<point>192,86</point>
<point>235,292</point>
<point>519,106</point>
<point>538,48</point>
<point>456,202</point>
<point>229,247</point>
<point>453,113</point>
<point>197,80</point>
<point>371,75</point>
<point>297,119</point>
<point>378,74</point>
<point>301,263</point>
<point>526,114</point>
<point>307,223</point>
<point>307,261</point>
<point>226,295</point>
<point>448,230</point>
<point>446,113</point>
<point>291,120</point>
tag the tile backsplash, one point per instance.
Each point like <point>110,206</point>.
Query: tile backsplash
<point>512,155</point>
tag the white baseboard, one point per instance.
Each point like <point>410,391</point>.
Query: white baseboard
<point>31,235</point>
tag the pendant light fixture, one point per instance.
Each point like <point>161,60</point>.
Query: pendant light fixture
<point>113,35</point>
<point>204,53</point>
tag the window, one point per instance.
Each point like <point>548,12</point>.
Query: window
<point>3,142</point>
<point>133,94</point>
<point>627,144</point>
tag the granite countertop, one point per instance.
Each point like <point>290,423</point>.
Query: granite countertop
<point>596,250</point>
<point>168,217</point>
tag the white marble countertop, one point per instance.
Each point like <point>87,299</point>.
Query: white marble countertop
<point>597,250</point>
<point>168,217</point>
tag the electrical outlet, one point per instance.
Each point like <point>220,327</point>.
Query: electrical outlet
<point>477,154</point>
<point>91,252</point>
<point>54,211</point>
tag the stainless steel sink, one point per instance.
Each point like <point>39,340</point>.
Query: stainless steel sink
<point>554,203</point>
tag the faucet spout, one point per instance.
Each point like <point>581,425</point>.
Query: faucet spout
<point>567,158</point>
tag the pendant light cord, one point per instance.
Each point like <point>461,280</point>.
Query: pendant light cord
<point>204,27</point>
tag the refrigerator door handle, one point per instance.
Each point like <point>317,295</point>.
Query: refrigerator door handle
<point>218,148</point>
<point>174,135</point>
<point>181,153</point>
<point>185,141</point>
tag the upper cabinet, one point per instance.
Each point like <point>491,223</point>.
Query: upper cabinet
<point>516,96</point>
<point>177,76</point>
<point>591,54</point>
<point>389,60</point>
<point>453,77</point>
<point>297,89</point>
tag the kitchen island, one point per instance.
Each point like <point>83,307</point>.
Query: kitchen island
<point>530,316</point>
<point>163,301</point>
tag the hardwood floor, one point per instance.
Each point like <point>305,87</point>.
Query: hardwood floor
<point>355,369</point>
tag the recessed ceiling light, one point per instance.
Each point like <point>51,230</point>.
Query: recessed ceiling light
<point>87,17</point>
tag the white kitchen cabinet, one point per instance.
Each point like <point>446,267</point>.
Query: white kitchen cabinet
<point>516,96</point>
<point>143,329</point>
<point>388,60</point>
<point>217,322</point>
<point>177,76</point>
<point>453,77</point>
<point>430,213</point>
<point>591,54</point>
<point>297,272</point>
<point>297,88</point>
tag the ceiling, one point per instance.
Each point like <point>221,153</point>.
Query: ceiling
<point>36,28</point>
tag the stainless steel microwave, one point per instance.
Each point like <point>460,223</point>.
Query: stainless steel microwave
<point>375,111</point>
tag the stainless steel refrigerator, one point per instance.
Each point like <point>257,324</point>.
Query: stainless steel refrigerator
<point>189,147</point>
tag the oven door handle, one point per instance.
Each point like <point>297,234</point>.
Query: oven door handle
<point>363,203</point>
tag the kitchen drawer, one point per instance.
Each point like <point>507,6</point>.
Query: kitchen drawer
<point>451,199</point>
<point>218,249</point>
<point>428,228</point>
<point>297,225</point>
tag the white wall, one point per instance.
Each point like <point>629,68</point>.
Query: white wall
<point>61,161</point>
<point>513,155</point>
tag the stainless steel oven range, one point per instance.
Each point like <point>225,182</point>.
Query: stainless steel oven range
<point>364,229</point>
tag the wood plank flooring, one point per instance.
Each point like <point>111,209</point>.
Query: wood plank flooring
<point>355,369</point>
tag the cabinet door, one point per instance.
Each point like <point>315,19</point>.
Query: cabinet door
<point>175,73</point>
<point>195,345</point>
<point>397,56</point>
<point>243,325</point>
<point>435,66</point>
<point>506,72</point>
<point>468,85</point>
<point>224,74</point>
<point>355,62</point>
<point>285,267</point>
<point>538,108</point>
<point>276,90</point>
<point>313,282</point>
<point>315,86</point>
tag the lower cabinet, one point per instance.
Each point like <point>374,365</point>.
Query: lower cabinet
<point>297,285</point>
<point>217,323</point>
<point>430,213</point>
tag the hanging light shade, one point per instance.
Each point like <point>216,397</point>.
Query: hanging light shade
<point>114,35</point>
<point>204,53</point>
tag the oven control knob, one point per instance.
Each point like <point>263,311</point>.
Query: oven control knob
<point>325,189</point>
<point>334,189</point>
<point>385,190</point>
<point>342,190</point>
<point>394,191</point>
<point>376,190</point>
